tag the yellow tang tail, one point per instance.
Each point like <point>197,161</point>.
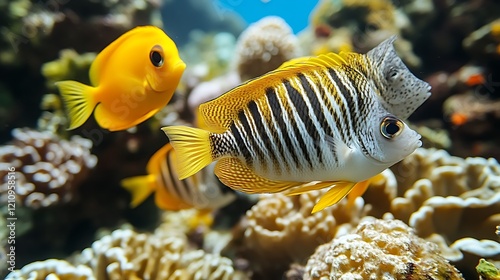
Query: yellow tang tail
<point>78,100</point>
<point>140,187</point>
<point>192,147</point>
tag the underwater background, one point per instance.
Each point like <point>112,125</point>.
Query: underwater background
<point>432,215</point>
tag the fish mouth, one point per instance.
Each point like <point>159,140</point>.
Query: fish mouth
<point>170,80</point>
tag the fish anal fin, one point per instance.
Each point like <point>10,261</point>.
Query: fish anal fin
<point>333,195</point>
<point>234,174</point>
<point>313,186</point>
<point>140,187</point>
<point>79,101</point>
<point>357,191</point>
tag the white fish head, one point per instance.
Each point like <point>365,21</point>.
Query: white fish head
<point>394,140</point>
<point>401,93</point>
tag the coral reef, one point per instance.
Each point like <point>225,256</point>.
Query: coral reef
<point>282,229</point>
<point>264,46</point>
<point>379,249</point>
<point>127,254</point>
<point>356,25</point>
<point>52,269</point>
<point>447,199</point>
<point>48,169</point>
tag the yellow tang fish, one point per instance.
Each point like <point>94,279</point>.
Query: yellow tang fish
<point>200,191</point>
<point>132,78</point>
<point>326,121</point>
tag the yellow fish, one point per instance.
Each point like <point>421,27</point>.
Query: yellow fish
<point>132,78</point>
<point>201,191</point>
<point>326,121</point>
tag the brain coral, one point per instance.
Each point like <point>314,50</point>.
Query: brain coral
<point>48,169</point>
<point>280,229</point>
<point>264,46</point>
<point>379,249</point>
<point>451,201</point>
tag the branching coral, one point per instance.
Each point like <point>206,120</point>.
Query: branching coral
<point>52,269</point>
<point>264,46</point>
<point>48,169</point>
<point>379,249</point>
<point>165,254</point>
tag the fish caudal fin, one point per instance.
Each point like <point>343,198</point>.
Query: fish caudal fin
<point>333,195</point>
<point>140,187</point>
<point>192,148</point>
<point>78,100</point>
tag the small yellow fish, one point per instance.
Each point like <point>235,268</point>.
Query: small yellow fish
<point>200,191</point>
<point>132,78</point>
<point>326,121</point>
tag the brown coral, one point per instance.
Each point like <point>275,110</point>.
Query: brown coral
<point>357,25</point>
<point>379,249</point>
<point>264,46</point>
<point>282,229</point>
<point>48,169</point>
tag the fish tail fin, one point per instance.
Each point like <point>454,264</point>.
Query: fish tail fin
<point>140,187</point>
<point>192,147</point>
<point>78,100</point>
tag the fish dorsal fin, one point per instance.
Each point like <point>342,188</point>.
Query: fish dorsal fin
<point>326,60</point>
<point>219,113</point>
<point>234,174</point>
<point>107,52</point>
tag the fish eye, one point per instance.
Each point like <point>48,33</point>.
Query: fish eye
<point>156,56</point>
<point>391,127</point>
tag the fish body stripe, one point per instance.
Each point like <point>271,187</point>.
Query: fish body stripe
<point>287,131</point>
<point>301,121</point>
<point>173,186</point>
<point>279,121</point>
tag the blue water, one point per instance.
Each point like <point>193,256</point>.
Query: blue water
<point>294,12</point>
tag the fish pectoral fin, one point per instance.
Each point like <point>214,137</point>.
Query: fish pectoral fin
<point>312,186</point>
<point>234,174</point>
<point>339,147</point>
<point>140,187</point>
<point>79,101</point>
<point>333,195</point>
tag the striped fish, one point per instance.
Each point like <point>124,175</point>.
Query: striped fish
<point>201,190</point>
<point>315,122</point>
